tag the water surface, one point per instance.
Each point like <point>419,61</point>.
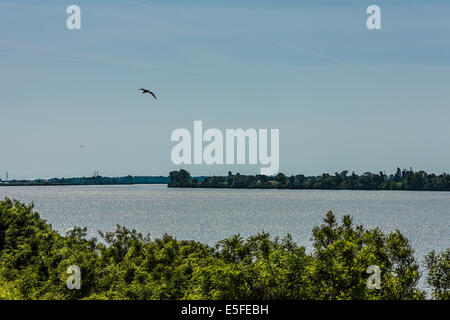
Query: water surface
<point>209,215</point>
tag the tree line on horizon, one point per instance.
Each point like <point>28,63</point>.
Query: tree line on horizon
<point>34,260</point>
<point>94,180</point>
<point>400,180</point>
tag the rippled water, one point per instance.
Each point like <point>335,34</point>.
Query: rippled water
<point>209,215</point>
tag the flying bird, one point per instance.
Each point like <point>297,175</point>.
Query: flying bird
<point>147,91</point>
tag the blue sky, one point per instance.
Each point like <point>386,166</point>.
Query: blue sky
<point>342,96</point>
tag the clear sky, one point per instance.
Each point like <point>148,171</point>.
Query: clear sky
<point>342,96</point>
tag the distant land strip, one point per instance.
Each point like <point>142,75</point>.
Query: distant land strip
<point>399,180</point>
<point>94,180</point>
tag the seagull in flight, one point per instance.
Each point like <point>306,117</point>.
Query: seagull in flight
<point>147,91</point>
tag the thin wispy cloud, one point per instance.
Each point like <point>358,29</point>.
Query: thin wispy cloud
<point>53,53</point>
<point>309,52</point>
<point>137,3</point>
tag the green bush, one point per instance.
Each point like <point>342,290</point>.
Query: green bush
<point>438,277</point>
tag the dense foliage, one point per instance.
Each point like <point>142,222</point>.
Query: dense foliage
<point>127,265</point>
<point>439,273</point>
<point>401,180</point>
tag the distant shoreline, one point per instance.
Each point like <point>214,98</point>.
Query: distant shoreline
<point>73,184</point>
<point>407,180</point>
<point>88,181</point>
<point>401,180</point>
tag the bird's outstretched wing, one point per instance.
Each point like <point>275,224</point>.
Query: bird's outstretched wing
<point>147,91</point>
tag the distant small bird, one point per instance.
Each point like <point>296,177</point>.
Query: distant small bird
<point>147,91</point>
